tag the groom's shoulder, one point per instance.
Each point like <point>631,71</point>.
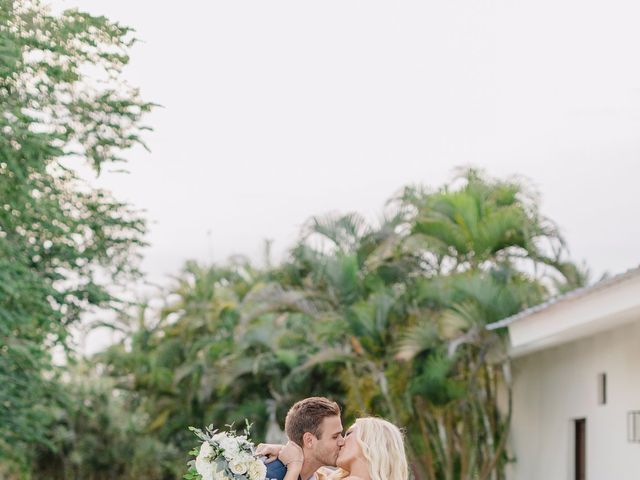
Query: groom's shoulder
<point>276,470</point>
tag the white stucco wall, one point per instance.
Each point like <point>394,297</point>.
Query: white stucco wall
<point>554,386</point>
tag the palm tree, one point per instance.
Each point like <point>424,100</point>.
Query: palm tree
<point>484,253</point>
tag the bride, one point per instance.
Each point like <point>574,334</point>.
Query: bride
<point>373,450</point>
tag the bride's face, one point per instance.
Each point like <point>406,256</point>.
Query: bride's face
<point>350,450</point>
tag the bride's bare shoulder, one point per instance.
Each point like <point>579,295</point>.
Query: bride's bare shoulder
<point>340,475</point>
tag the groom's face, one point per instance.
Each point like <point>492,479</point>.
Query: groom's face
<point>327,446</point>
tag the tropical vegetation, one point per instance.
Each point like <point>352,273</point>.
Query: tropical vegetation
<point>387,317</point>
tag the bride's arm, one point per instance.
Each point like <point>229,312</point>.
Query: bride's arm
<point>291,455</point>
<point>269,450</point>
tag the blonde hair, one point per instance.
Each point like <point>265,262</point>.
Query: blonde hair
<point>383,447</point>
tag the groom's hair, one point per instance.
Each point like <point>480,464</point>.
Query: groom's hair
<point>307,416</point>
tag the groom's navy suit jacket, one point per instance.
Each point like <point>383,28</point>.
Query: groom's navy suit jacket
<point>276,469</point>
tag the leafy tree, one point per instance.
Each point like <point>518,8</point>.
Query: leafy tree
<point>62,242</point>
<point>215,353</point>
<point>98,435</point>
<point>172,358</point>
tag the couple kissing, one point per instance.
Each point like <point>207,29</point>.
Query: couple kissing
<point>371,449</point>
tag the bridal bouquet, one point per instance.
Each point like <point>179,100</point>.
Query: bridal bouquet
<point>224,456</point>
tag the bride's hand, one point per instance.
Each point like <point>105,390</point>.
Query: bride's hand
<point>269,450</point>
<point>292,456</point>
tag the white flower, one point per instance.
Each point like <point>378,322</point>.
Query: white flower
<point>238,468</point>
<point>204,466</point>
<point>228,444</point>
<point>257,470</point>
<point>226,456</point>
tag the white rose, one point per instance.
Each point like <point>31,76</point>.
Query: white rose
<point>257,470</point>
<point>203,462</point>
<point>238,468</point>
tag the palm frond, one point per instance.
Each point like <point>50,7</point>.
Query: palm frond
<point>421,337</point>
<point>272,297</point>
<point>342,231</point>
<point>328,356</point>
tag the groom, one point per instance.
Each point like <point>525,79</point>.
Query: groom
<point>314,424</point>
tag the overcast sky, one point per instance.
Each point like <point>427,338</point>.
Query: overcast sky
<point>274,111</point>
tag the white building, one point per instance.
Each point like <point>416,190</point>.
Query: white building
<point>576,384</point>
